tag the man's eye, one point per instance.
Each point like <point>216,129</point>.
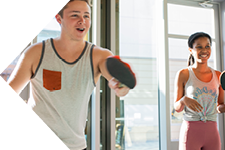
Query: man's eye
<point>207,47</point>
<point>86,16</point>
<point>199,47</point>
<point>74,15</point>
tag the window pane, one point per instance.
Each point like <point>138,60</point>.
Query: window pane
<point>52,30</point>
<point>137,113</point>
<point>185,20</point>
<point>8,71</point>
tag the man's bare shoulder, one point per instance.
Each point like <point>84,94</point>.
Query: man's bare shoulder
<point>101,53</point>
<point>34,50</point>
<point>32,55</point>
<point>98,49</point>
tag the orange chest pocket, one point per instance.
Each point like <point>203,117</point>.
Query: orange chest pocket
<point>52,80</point>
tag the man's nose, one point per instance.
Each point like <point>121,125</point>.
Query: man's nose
<point>82,20</point>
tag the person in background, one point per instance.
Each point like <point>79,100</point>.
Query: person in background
<point>199,94</point>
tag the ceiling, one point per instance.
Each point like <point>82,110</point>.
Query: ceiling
<point>207,0</point>
<point>217,0</point>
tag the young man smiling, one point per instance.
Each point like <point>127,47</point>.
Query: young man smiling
<point>63,72</point>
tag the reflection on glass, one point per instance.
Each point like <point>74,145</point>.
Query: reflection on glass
<point>8,71</point>
<point>185,20</point>
<point>51,30</point>
<point>137,43</point>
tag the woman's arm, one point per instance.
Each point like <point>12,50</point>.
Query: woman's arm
<point>179,91</point>
<point>180,99</point>
<point>220,102</point>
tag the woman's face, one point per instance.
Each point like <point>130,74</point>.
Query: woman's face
<point>201,50</point>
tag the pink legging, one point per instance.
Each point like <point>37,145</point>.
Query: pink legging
<point>199,135</point>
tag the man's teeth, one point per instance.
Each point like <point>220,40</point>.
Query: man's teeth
<point>81,29</point>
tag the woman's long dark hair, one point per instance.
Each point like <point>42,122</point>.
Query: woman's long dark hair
<point>191,41</point>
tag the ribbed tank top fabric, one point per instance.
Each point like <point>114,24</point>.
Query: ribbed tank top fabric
<point>61,93</point>
<point>205,93</point>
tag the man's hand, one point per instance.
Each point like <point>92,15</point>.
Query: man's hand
<point>121,71</point>
<point>116,86</point>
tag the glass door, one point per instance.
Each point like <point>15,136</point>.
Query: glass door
<point>184,19</point>
<point>138,32</point>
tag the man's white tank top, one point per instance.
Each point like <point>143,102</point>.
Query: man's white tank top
<point>61,92</point>
<point>206,94</point>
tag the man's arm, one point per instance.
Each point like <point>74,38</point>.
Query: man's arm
<point>100,55</point>
<point>25,67</point>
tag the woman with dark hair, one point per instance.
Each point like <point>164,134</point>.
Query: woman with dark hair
<point>199,94</point>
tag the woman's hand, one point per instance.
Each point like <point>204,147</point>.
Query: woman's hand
<point>192,104</point>
<point>221,108</point>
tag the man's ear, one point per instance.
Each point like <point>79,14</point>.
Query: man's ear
<point>58,18</point>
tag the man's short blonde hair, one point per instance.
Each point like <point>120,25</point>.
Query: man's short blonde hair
<point>61,11</point>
